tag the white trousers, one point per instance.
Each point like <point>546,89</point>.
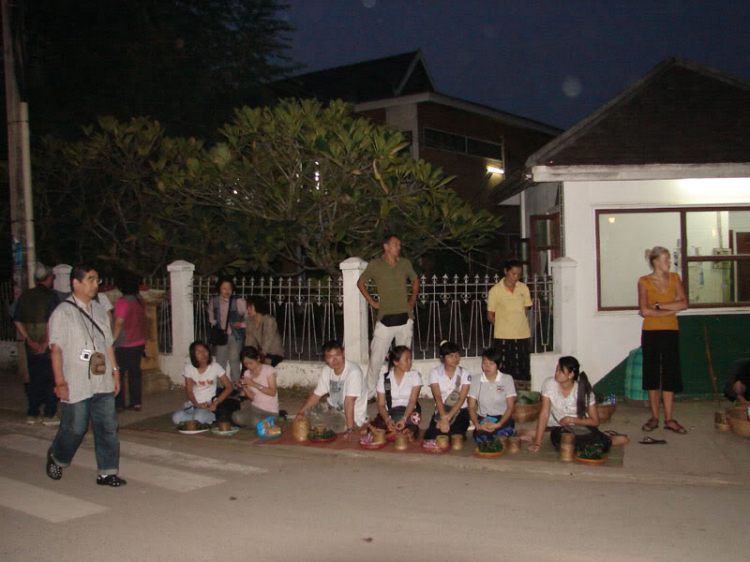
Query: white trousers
<point>381,343</point>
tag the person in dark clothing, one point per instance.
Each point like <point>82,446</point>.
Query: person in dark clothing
<point>737,386</point>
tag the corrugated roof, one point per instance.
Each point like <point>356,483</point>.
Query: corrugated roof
<point>678,113</point>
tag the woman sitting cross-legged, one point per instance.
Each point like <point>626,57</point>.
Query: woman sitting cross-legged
<point>568,404</point>
<point>492,397</point>
<point>449,383</point>
<point>258,385</point>
<point>201,378</point>
<point>398,393</point>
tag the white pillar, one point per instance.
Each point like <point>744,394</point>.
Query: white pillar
<point>355,313</point>
<point>565,317</point>
<point>183,330</point>
<point>62,277</point>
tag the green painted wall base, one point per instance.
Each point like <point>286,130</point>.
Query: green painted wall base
<point>729,339</point>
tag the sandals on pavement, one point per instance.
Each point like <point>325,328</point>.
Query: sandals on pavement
<point>54,470</point>
<point>110,480</point>
<point>651,441</point>
<point>650,425</point>
<point>613,433</point>
<point>672,425</point>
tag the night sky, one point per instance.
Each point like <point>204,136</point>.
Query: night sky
<point>553,61</point>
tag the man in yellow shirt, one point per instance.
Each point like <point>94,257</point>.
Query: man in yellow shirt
<point>507,304</point>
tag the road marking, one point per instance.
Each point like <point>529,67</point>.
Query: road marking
<point>44,504</point>
<point>168,478</point>
<point>146,452</point>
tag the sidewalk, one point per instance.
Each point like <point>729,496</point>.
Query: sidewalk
<point>705,456</point>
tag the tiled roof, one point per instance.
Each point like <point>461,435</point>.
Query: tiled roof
<point>679,113</point>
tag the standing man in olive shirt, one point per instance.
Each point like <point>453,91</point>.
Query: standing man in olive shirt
<point>395,312</point>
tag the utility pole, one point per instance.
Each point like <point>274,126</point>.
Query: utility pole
<point>19,160</point>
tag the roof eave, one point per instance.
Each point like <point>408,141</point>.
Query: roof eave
<point>642,172</point>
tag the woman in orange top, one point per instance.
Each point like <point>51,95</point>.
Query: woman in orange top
<point>660,296</point>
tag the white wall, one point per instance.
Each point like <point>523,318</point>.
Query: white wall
<point>605,338</point>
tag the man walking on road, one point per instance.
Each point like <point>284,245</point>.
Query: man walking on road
<point>31,316</point>
<point>395,313</point>
<point>87,379</point>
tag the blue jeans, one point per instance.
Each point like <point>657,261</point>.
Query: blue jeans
<point>100,409</point>
<point>189,412</point>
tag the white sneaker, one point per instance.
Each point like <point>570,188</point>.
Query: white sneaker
<point>53,421</point>
<point>31,420</point>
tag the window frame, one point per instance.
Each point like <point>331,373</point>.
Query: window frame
<point>466,139</point>
<point>685,259</point>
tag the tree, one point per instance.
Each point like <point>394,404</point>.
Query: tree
<point>96,199</point>
<point>326,186</point>
<point>186,63</point>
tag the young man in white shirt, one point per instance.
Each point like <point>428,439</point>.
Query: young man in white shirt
<point>344,383</point>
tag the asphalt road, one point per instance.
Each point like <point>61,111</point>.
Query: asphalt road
<point>201,500</point>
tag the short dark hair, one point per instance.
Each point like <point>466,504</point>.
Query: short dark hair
<point>223,280</point>
<point>510,264</point>
<point>495,355</point>
<point>78,272</point>
<point>129,284</point>
<point>260,305</point>
<point>448,347</point>
<point>387,237</point>
<point>330,345</point>
<point>191,352</point>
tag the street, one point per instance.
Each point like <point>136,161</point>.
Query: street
<point>193,499</point>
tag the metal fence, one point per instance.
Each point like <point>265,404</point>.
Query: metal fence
<point>310,312</point>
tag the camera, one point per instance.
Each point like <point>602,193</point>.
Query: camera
<point>86,355</point>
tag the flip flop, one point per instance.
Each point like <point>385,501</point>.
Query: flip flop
<point>676,427</point>
<point>613,433</point>
<point>650,425</point>
<point>651,441</point>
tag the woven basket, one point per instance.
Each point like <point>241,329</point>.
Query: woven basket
<point>526,412</point>
<point>738,421</point>
<point>605,411</point>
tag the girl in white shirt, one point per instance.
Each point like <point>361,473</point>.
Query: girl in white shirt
<point>449,383</point>
<point>568,404</point>
<point>398,393</point>
<point>492,397</point>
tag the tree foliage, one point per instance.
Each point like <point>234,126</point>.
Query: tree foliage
<point>298,187</point>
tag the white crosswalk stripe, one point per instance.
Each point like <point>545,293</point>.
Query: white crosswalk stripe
<point>139,471</point>
<point>44,504</point>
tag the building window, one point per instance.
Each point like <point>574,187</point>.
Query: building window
<point>710,249</point>
<point>462,144</point>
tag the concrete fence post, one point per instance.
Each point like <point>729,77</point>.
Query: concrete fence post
<point>62,277</point>
<point>565,301</point>
<point>355,313</point>
<point>183,327</point>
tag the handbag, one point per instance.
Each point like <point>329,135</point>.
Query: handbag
<point>455,395</point>
<point>393,320</point>
<point>217,336</point>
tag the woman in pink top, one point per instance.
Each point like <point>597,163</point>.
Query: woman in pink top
<point>130,340</point>
<point>258,385</point>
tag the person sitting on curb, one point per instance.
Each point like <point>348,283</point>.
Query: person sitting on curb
<point>201,377</point>
<point>258,385</point>
<point>737,387</point>
<point>344,383</point>
<point>568,404</point>
<point>492,396</point>
<point>398,394</point>
<point>449,383</point>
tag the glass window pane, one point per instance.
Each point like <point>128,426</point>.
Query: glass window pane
<point>624,241</point>
<point>724,282</point>
<point>714,233</point>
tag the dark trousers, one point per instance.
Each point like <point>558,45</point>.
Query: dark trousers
<point>458,427</point>
<point>129,361</point>
<point>41,384</point>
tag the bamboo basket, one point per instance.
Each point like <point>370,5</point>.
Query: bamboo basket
<point>738,421</point>
<point>605,411</point>
<point>526,412</point>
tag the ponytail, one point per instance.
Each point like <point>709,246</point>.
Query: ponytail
<point>571,364</point>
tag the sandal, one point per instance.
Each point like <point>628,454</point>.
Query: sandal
<point>54,470</point>
<point>613,433</point>
<point>111,480</point>
<point>651,441</point>
<point>672,425</point>
<point>650,425</point>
